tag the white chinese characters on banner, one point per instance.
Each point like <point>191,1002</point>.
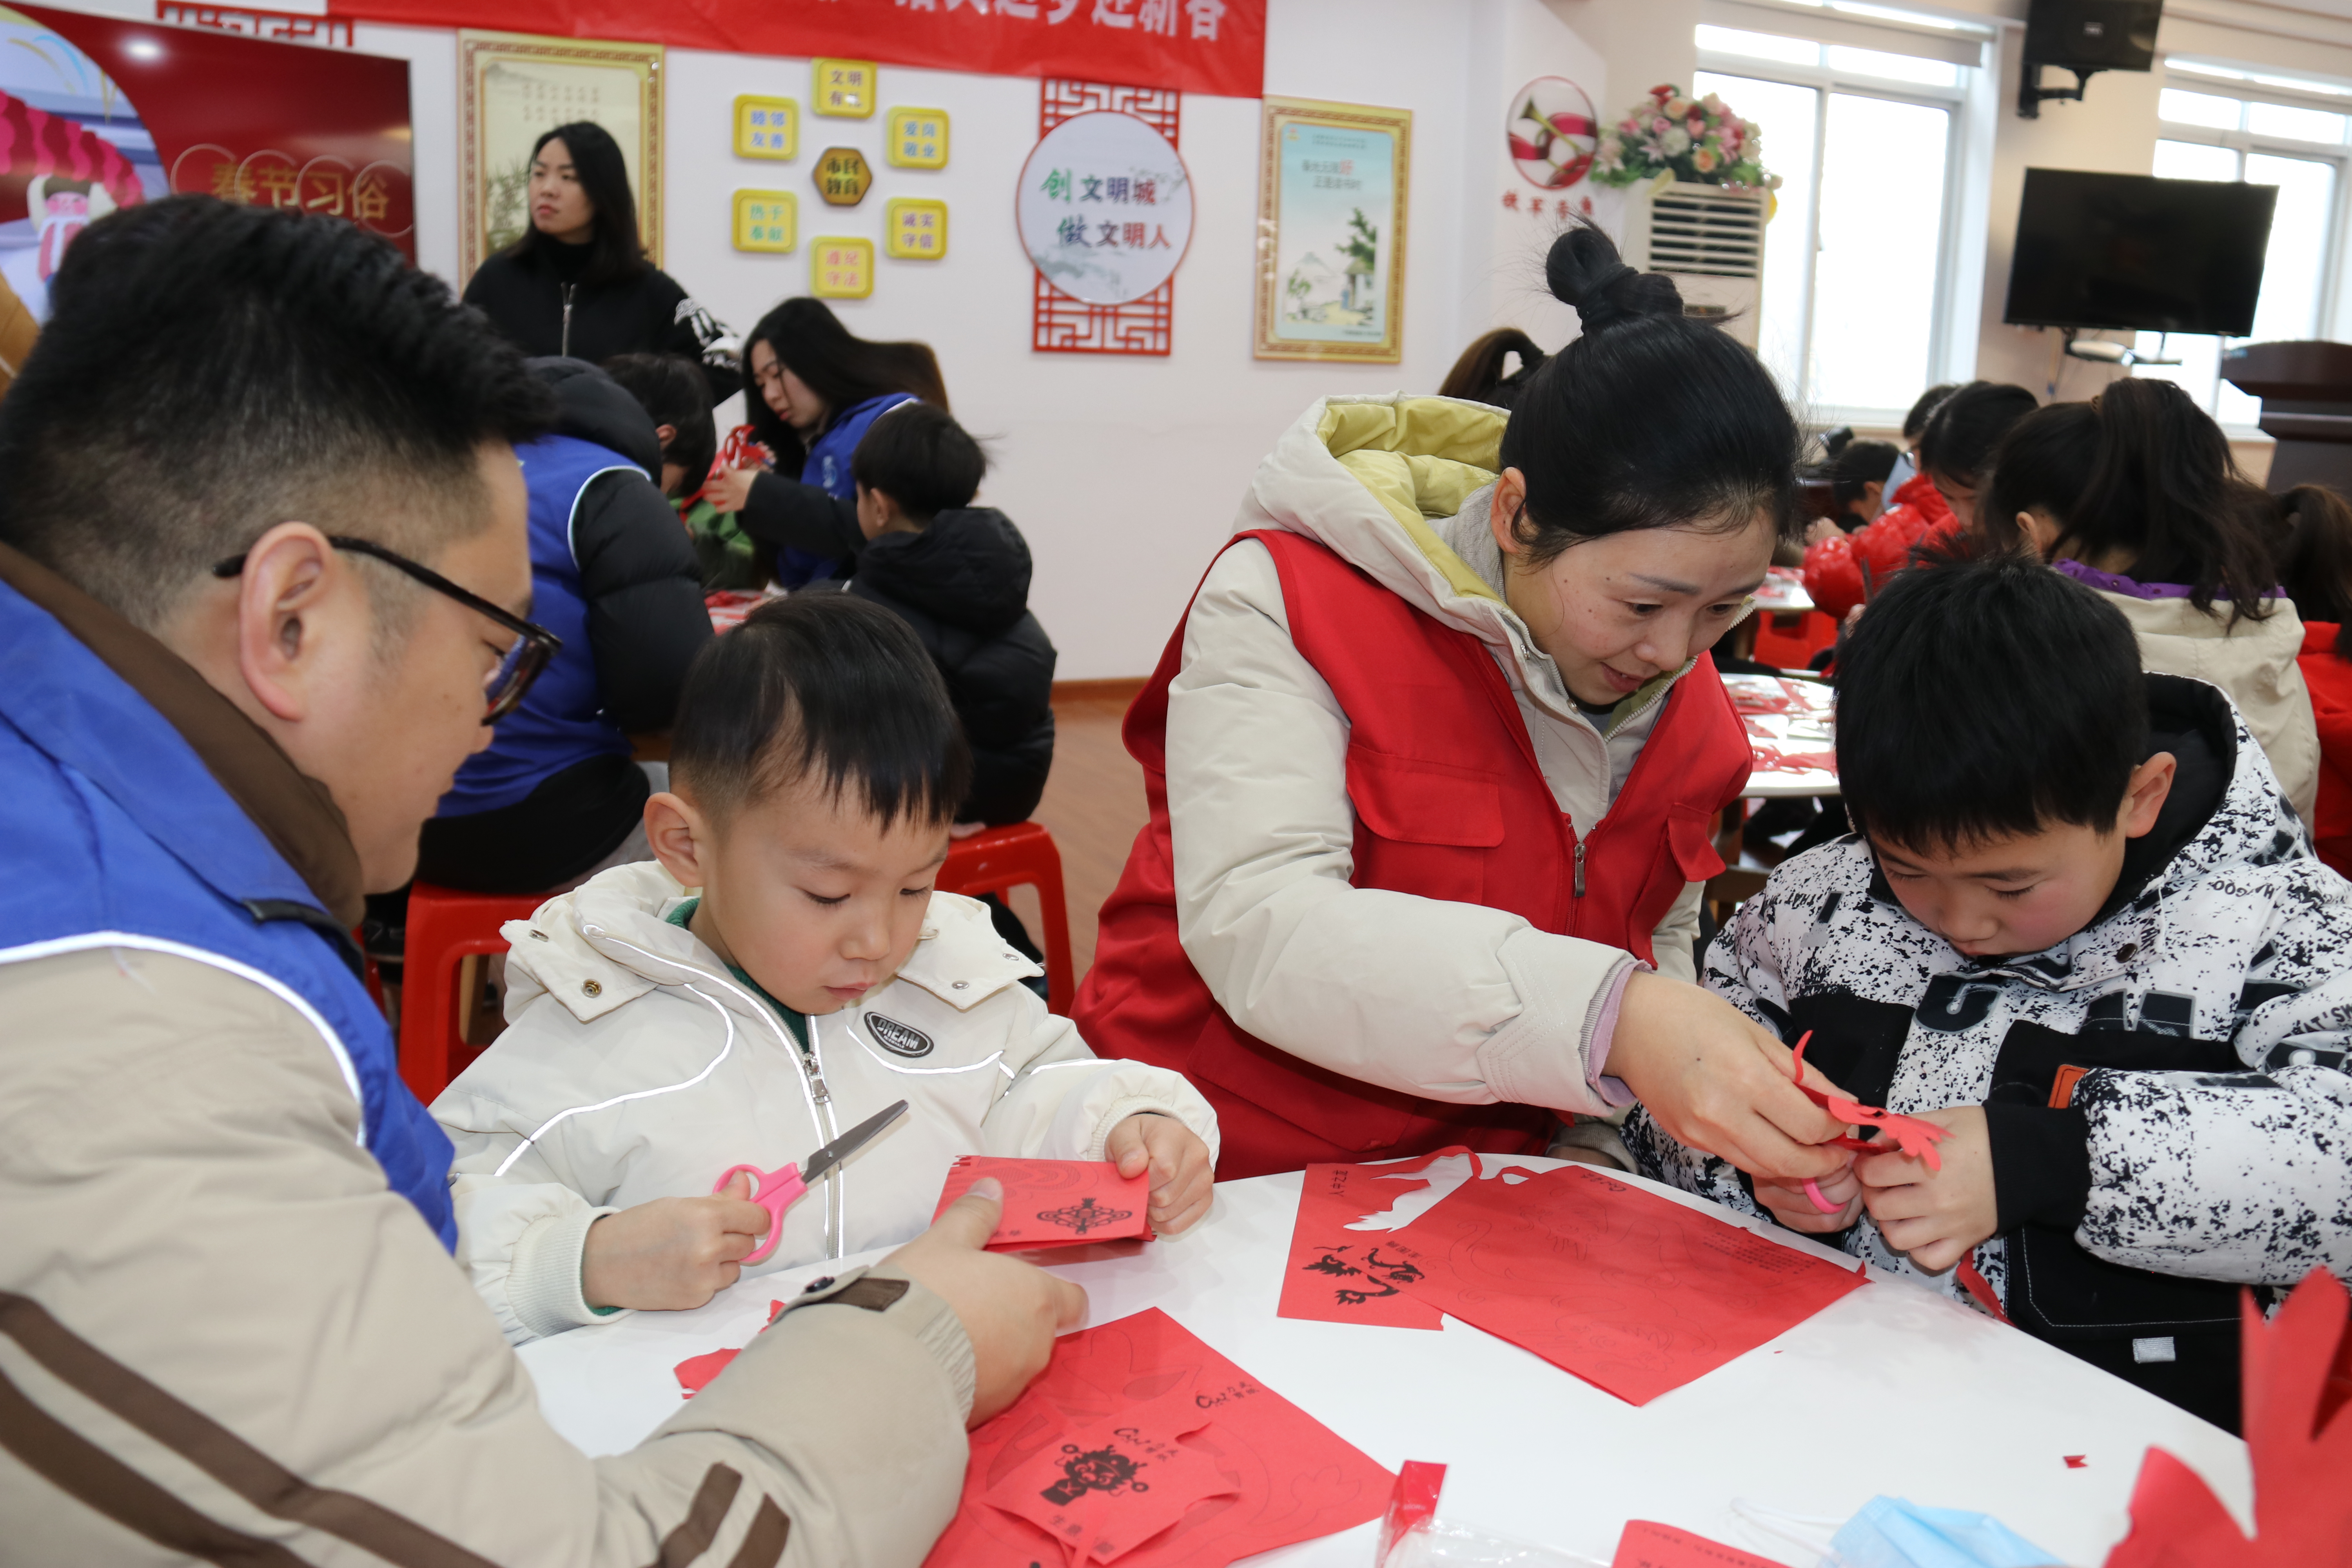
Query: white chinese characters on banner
<point>1149,15</point>
<point>1106,207</point>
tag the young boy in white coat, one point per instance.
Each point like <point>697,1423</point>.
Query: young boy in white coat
<point>782,972</point>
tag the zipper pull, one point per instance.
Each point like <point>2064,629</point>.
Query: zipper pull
<point>1580,868</point>
<point>567,321</point>
<point>823,1094</point>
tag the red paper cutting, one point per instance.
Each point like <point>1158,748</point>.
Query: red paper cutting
<point>1293,1478</point>
<point>1334,1275</point>
<point>1629,1292</point>
<point>1646,1544</point>
<point>1913,1136</point>
<point>1056,1202</point>
<point>1114,1485</point>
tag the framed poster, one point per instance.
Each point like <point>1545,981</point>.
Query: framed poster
<point>1332,187</point>
<point>514,86</point>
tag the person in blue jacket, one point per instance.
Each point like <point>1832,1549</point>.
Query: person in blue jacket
<point>815,389</point>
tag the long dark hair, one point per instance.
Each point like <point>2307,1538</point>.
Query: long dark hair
<point>1649,419</point>
<point>604,176</point>
<point>2316,559</point>
<point>1959,437</point>
<point>1478,376</point>
<point>2141,471</point>
<point>836,364</point>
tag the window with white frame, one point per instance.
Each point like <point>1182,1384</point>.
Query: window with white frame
<point>2220,123</point>
<point>1863,110</point>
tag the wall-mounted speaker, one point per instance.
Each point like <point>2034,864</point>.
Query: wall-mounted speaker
<point>2084,37</point>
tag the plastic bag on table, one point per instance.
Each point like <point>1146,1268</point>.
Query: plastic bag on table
<point>1412,1536</point>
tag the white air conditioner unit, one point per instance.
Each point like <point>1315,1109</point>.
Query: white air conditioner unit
<point>1710,240</point>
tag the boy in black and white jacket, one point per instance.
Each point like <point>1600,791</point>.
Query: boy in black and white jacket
<point>2079,927</point>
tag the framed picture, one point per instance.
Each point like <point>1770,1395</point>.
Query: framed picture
<point>1332,185</point>
<point>514,86</point>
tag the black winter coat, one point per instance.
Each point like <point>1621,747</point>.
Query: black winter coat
<point>526,298</point>
<point>962,583</point>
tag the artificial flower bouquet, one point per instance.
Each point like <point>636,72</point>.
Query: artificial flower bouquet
<point>1695,140</point>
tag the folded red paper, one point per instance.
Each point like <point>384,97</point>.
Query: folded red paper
<point>1334,1275</point>
<point>1631,1291</point>
<point>1287,1477</point>
<point>1056,1202</point>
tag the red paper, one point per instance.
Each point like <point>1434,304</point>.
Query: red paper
<point>2297,1379</point>
<point>1118,1482</point>
<point>1646,1544</point>
<point>1056,1202</point>
<point>1334,1275</point>
<point>695,1373</point>
<point>1631,1292</point>
<point>2076,1461</point>
<point>1913,1136</point>
<point>1412,1507</point>
<point>1293,1479</point>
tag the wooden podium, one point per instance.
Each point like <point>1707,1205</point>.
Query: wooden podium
<point>2306,393</point>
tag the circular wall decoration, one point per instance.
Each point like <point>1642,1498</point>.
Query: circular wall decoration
<point>1552,133</point>
<point>1104,208</point>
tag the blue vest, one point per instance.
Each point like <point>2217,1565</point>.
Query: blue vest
<point>561,720</point>
<point>828,470</point>
<point>116,836</point>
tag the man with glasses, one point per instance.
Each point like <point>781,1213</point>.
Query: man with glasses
<point>263,588</point>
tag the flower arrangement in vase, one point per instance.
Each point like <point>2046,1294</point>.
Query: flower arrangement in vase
<point>1698,140</point>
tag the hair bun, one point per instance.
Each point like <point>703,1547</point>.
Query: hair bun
<point>1586,273</point>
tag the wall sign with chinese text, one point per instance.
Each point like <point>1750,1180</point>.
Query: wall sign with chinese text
<point>919,139</point>
<point>512,87</point>
<point>1333,181</point>
<point>1104,208</point>
<point>767,127</point>
<point>1062,323</point>
<point>842,176</point>
<point>766,221</point>
<point>915,230</point>
<point>844,89</point>
<point>841,269</point>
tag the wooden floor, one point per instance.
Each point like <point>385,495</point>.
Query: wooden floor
<point>1093,806</point>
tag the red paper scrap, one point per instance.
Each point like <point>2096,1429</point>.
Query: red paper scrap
<point>1056,1202</point>
<point>1412,1506</point>
<point>1980,1289</point>
<point>1648,1544</point>
<point>2077,1461</point>
<point>1913,1136</point>
<point>1118,1482</point>
<point>695,1373</point>
<point>1334,1275</point>
<point>2297,1378</point>
<point>1291,1478</point>
<point>1631,1291</point>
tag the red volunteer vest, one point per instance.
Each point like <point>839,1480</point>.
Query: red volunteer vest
<point>1449,804</point>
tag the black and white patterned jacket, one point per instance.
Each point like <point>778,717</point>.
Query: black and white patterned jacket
<point>2210,1000</point>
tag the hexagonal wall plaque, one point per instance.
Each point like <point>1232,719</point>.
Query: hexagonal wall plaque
<point>842,176</point>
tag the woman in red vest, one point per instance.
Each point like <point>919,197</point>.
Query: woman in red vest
<point>1434,758</point>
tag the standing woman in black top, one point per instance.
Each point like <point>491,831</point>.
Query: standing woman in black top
<point>577,283</point>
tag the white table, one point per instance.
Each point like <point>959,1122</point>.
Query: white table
<point>1808,728</point>
<point>1783,592</point>
<point>1893,1389</point>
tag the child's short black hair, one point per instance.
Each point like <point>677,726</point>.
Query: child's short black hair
<point>921,458</point>
<point>1977,699</point>
<point>820,684</point>
<point>672,391</point>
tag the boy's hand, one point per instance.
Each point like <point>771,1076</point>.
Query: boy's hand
<point>1793,1207</point>
<point>1937,1216</point>
<point>672,1253</point>
<point>1010,1310</point>
<point>1181,1181</point>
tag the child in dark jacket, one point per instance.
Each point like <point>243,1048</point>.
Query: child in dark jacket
<point>958,574</point>
<point>2081,929</point>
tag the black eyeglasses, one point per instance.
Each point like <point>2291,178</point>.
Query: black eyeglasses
<point>504,687</point>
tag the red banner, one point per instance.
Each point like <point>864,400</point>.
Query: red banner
<point>1200,46</point>
<point>317,129</point>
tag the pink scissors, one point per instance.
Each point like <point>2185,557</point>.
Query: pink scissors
<point>777,1190</point>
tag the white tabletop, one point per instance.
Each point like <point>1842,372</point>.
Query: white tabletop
<point>1785,717</point>
<point>1892,1389</point>
<point>1783,594</point>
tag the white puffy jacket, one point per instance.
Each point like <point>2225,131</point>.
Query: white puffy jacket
<point>634,1066</point>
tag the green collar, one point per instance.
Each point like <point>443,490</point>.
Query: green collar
<point>796,1022</point>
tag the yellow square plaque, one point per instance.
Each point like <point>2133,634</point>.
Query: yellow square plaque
<point>766,221</point>
<point>767,127</point>
<point>919,139</point>
<point>844,88</point>
<point>917,230</point>
<point>841,269</point>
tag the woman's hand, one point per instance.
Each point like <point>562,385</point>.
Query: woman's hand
<point>1719,1082</point>
<point>1794,1207</point>
<point>1823,527</point>
<point>729,490</point>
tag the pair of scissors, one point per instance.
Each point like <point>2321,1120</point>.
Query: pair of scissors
<point>777,1190</point>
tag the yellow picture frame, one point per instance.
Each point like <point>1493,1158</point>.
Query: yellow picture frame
<point>767,222</point>
<point>915,228</point>
<point>767,127</point>
<point>918,139</point>
<point>843,89</point>
<point>1334,187</point>
<point>841,267</point>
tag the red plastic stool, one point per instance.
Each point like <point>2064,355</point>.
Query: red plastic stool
<point>446,926</point>
<point>1000,858</point>
<point>1789,642</point>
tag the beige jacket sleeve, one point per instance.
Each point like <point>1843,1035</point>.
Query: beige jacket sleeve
<point>1450,1001</point>
<point>222,1338</point>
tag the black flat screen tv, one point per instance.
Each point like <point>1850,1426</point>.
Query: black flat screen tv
<point>2133,252</point>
